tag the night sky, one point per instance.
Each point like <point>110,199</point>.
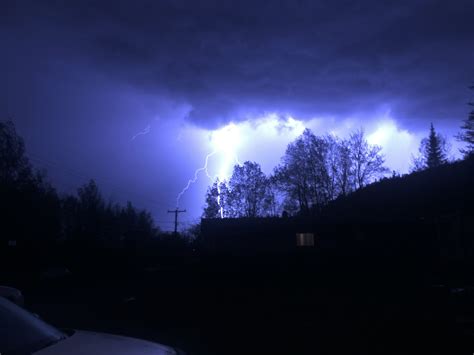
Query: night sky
<point>135,94</point>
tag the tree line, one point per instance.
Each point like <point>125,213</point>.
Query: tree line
<point>315,170</point>
<point>33,212</point>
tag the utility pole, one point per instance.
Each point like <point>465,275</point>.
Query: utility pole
<point>176,212</point>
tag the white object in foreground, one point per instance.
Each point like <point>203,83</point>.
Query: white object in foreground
<point>22,332</point>
<point>12,294</point>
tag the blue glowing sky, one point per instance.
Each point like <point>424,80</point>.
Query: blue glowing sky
<point>137,94</point>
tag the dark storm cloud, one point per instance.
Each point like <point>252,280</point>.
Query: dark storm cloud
<point>308,58</point>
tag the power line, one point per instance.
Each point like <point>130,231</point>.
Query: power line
<point>69,171</point>
<point>176,212</point>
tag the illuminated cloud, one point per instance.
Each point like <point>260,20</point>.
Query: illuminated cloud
<point>101,73</point>
<point>226,142</point>
<point>398,145</point>
<point>264,140</point>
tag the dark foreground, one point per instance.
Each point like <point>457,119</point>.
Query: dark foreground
<point>287,305</point>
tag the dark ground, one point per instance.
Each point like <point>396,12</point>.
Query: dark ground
<point>287,305</point>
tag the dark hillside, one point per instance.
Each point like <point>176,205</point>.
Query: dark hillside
<point>435,193</point>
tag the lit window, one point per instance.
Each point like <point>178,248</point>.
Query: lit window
<point>305,239</point>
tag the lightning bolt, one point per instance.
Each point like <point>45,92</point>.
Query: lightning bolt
<point>221,209</point>
<point>237,160</point>
<point>224,140</point>
<point>196,174</point>
<point>145,131</point>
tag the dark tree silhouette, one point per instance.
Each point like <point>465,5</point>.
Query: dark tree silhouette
<point>343,170</point>
<point>316,170</point>
<point>467,133</point>
<point>313,171</point>
<point>367,160</point>
<point>69,213</point>
<point>33,214</point>
<point>303,174</point>
<point>14,165</point>
<point>91,209</point>
<point>433,152</point>
<point>29,204</point>
<point>91,222</point>
<point>212,208</point>
<point>248,192</point>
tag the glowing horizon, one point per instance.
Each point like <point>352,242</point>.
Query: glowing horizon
<point>264,140</point>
